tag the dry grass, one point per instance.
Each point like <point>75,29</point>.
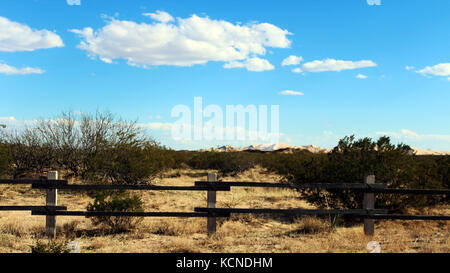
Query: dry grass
<point>239,233</point>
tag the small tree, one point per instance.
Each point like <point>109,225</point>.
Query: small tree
<point>62,135</point>
<point>28,152</point>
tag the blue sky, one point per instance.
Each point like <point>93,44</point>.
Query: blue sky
<point>363,67</point>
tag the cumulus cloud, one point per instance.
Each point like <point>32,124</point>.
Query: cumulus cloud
<point>290,93</point>
<point>408,67</point>
<point>361,76</point>
<point>335,65</point>
<point>292,60</point>
<point>73,2</point>
<point>160,16</point>
<point>183,42</point>
<point>252,64</point>
<point>297,70</point>
<point>442,69</point>
<point>10,70</point>
<point>410,135</point>
<point>19,37</point>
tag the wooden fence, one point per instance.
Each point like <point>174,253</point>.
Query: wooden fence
<point>368,212</point>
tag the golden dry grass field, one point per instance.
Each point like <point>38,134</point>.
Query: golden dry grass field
<point>244,233</point>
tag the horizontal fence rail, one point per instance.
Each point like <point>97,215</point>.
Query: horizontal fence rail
<point>409,217</point>
<point>408,191</point>
<point>356,212</point>
<point>328,186</point>
<point>132,187</point>
<point>34,208</point>
<point>369,188</point>
<point>44,182</point>
<point>120,213</point>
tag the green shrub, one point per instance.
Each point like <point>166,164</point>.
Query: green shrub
<point>27,152</point>
<point>120,201</point>
<point>125,163</point>
<point>50,247</point>
<point>227,163</point>
<point>298,166</point>
<point>351,160</point>
<point>94,147</point>
<point>5,159</point>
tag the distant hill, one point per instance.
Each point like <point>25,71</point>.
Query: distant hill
<point>419,151</point>
<point>278,147</point>
<point>287,148</point>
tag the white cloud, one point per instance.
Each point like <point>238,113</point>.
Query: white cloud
<point>158,126</point>
<point>7,118</point>
<point>410,135</point>
<point>290,93</point>
<point>335,65</point>
<point>10,70</point>
<point>234,65</point>
<point>373,2</point>
<point>292,60</point>
<point>185,42</point>
<point>297,70</point>
<point>14,124</point>
<point>19,37</point>
<point>73,2</point>
<point>253,64</point>
<point>442,69</point>
<point>160,16</point>
<point>361,76</point>
<point>408,67</point>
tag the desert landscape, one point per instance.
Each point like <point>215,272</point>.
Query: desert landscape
<point>207,127</point>
<point>240,233</point>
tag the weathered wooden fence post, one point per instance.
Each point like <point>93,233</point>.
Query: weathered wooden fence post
<point>211,203</point>
<point>51,200</point>
<point>369,203</point>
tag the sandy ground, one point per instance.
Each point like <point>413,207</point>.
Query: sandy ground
<point>240,233</point>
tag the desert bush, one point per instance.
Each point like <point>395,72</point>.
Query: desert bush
<point>297,166</point>
<point>5,158</point>
<point>393,165</point>
<point>351,160</point>
<point>177,159</point>
<point>120,201</point>
<point>227,163</point>
<point>50,247</point>
<point>87,146</point>
<point>129,163</point>
<point>28,152</point>
<point>443,170</point>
